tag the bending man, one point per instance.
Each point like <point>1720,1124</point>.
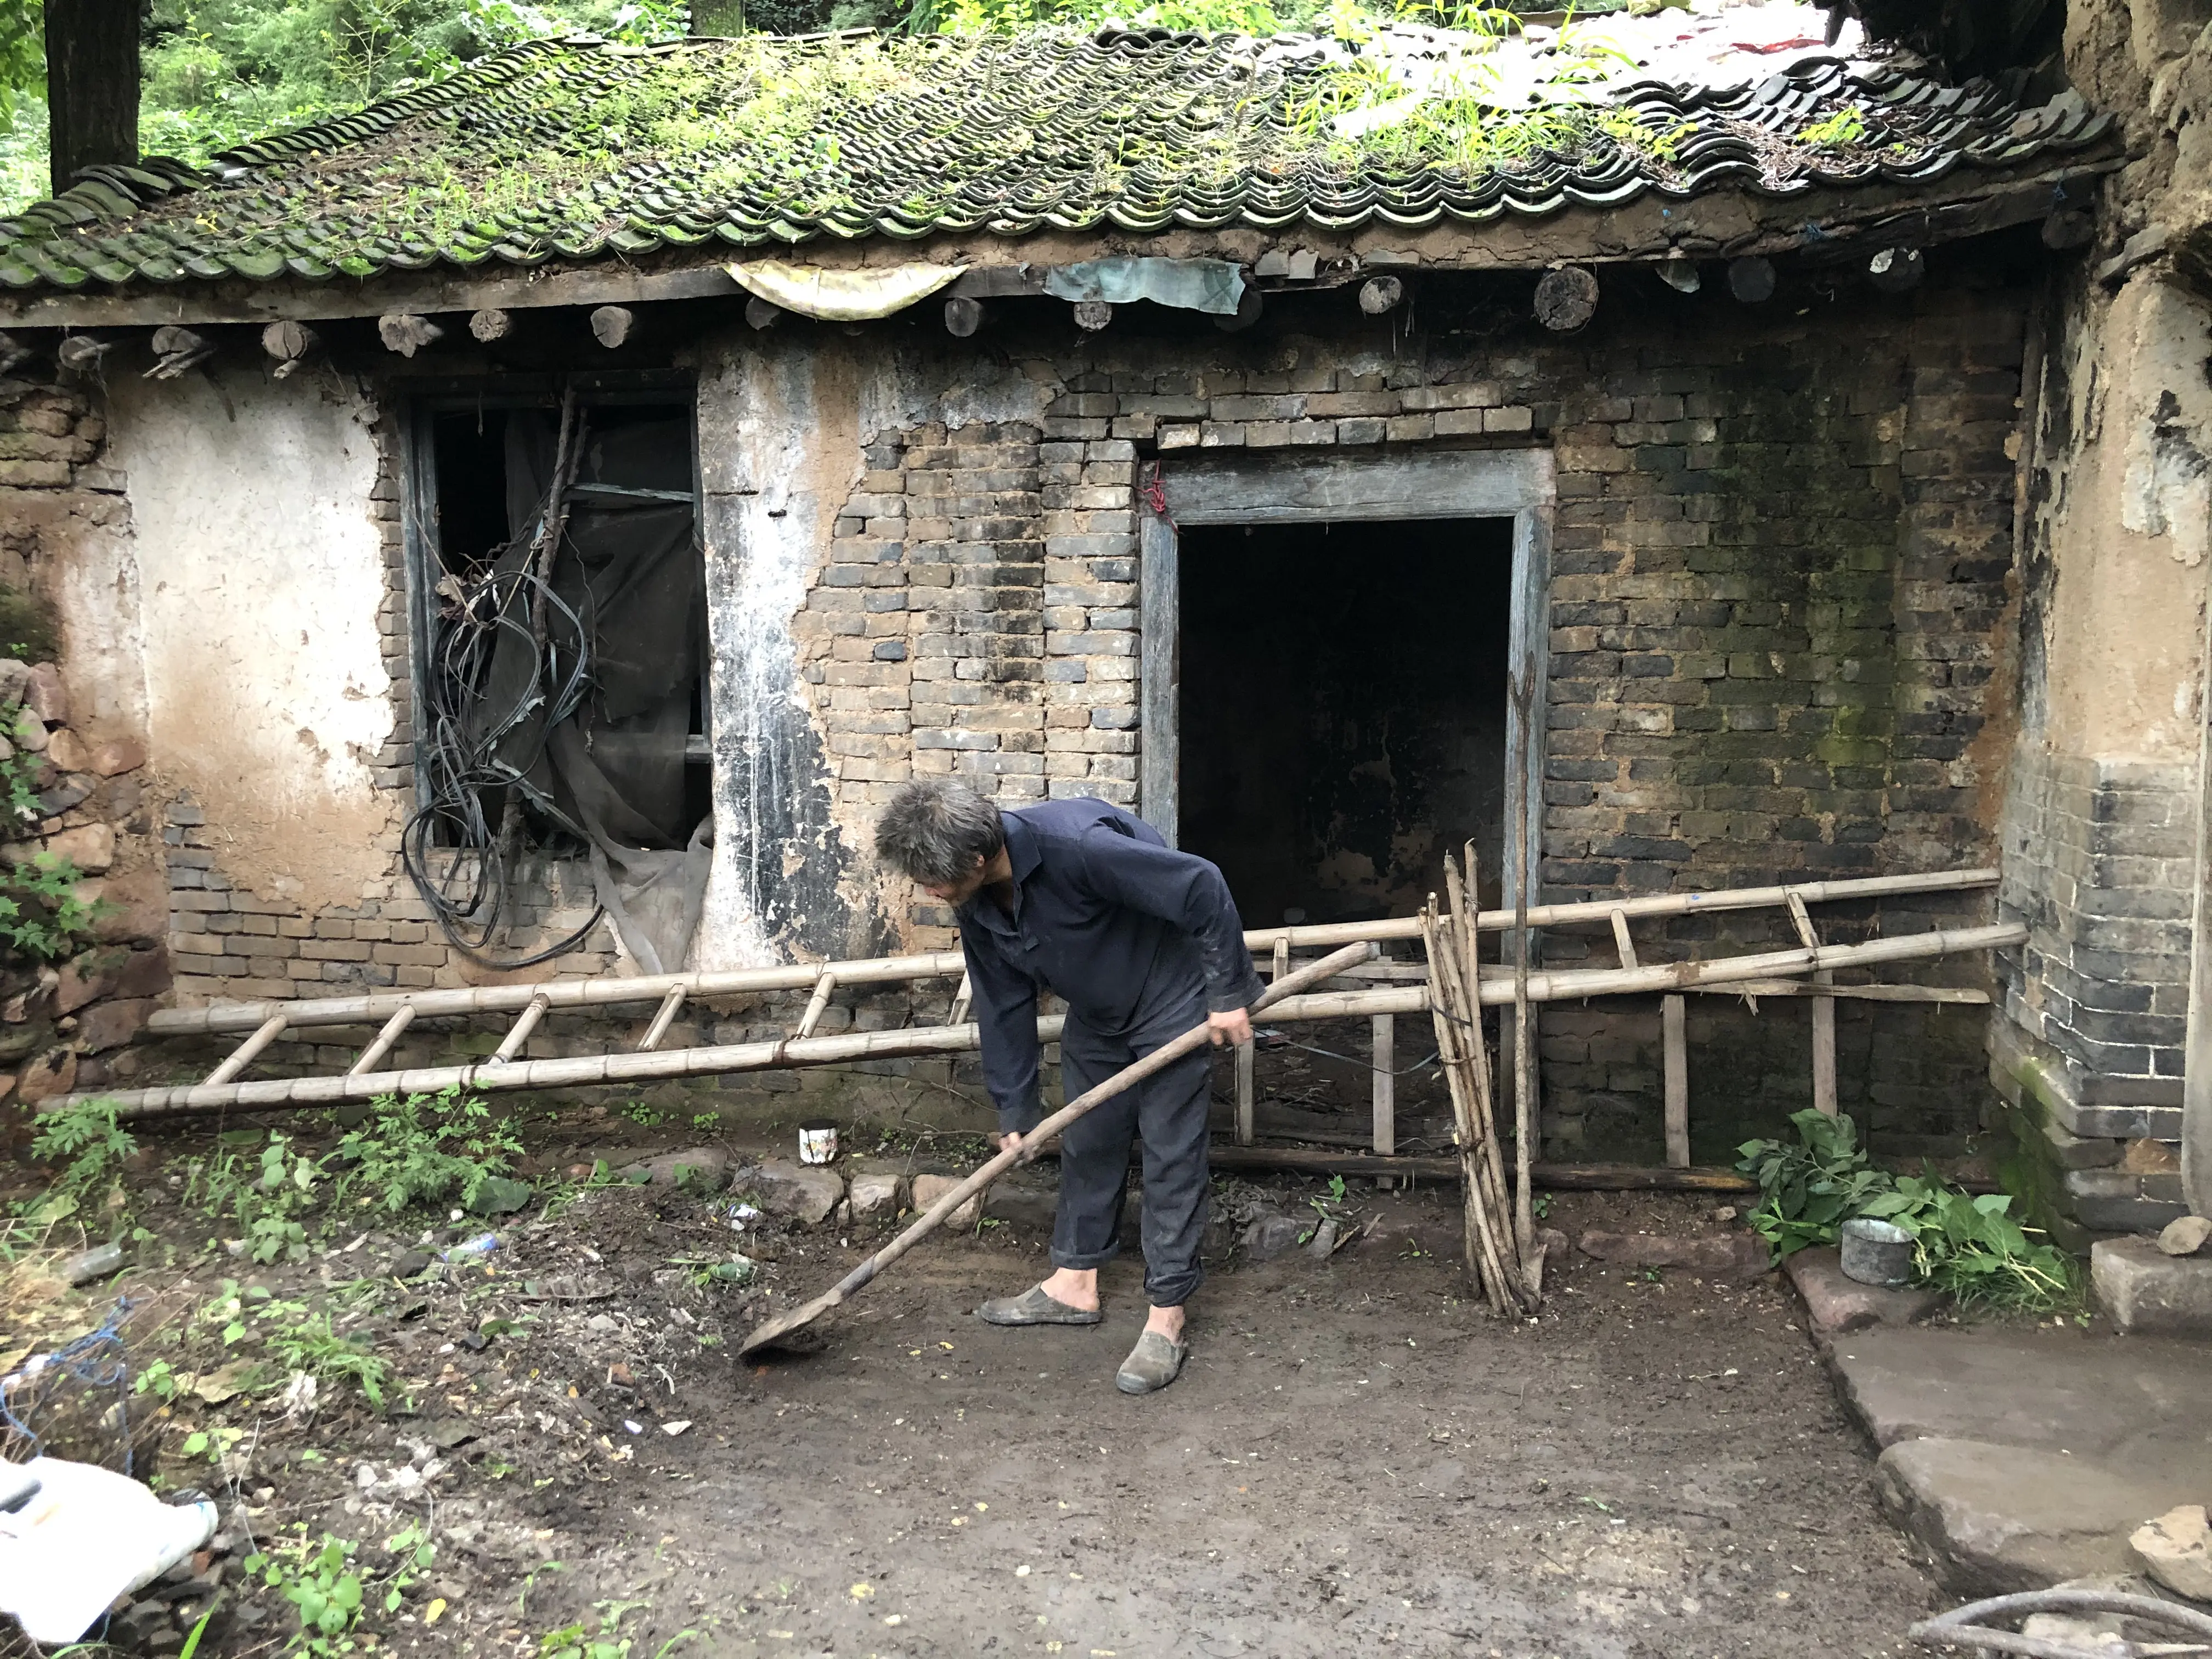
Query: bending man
<point>1143,943</point>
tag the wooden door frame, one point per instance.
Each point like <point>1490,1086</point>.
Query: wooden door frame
<point>1245,489</point>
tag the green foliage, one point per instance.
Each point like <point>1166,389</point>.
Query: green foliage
<point>219,72</point>
<point>1974,1248</point>
<point>22,55</point>
<point>1808,1190</point>
<point>1848,125</point>
<point>573,1642</point>
<point>323,1585</point>
<point>1969,1247</point>
<point>291,1337</point>
<point>419,1149</point>
<point>90,1146</point>
<point>267,1196</point>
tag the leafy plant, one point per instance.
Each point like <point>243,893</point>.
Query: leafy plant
<point>330,1591</point>
<point>94,1145</point>
<point>417,1148</point>
<point>1848,125</point>
<point>43,916</point>
<point>1809,1189</point>
<point>1971,1247</point>
<point>293,1338</point>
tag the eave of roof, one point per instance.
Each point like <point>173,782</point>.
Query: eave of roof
<point>995,147</point>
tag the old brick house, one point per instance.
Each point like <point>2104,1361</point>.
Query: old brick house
<point>1123,416</point>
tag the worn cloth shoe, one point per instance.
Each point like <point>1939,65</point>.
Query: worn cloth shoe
<point>1151,1365</point>
<point>1034,1307</point>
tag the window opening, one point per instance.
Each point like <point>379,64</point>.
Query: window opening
<point>563,694</point>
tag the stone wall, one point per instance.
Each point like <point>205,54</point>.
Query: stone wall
<point>64,526</point>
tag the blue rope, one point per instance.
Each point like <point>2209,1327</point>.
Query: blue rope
<point>97,1359</point>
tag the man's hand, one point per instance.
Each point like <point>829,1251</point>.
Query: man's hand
<point>1234,1026</point>
<point>1007,1143</point>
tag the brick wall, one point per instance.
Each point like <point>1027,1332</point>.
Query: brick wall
<point>1779,583</point>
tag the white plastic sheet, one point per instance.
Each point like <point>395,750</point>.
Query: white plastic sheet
<point>87,1537</point>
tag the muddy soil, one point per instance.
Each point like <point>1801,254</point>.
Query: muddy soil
<point>1356,1458</point>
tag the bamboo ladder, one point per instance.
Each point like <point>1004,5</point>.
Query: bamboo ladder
<point>1773,973</point>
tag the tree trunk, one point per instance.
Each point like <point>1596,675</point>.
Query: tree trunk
<point>91,84</point>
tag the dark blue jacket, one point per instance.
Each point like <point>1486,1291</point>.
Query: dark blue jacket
<point>1107,917</point>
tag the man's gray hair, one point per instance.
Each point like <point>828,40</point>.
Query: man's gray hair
<point>934,832</point>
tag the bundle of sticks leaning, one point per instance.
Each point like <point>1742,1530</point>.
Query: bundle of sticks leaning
<point>776,1330</point>
<point>1511,1281</point>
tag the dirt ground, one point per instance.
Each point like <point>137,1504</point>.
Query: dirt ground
<point>1356,1458</point>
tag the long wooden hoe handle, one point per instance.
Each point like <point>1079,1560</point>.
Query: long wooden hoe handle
<point>1159,1060</point>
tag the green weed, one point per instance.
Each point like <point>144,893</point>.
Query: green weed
<point>420,1149</point>
<point>90,1146</point>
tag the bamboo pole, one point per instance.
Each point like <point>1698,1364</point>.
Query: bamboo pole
<point>607,993</point>
<point>525,1023</point>
<point>1027,1146</point>
<point>663,1017</point>
<point>373,1056</point>
<point>1384,1134</point>
<point>1673,1041</point>
<point>1552,1177</point>
<point>816,1004</point>
<point>1478,1241</point>
<point>246,1052</point>
<point>1247,1092</point>
<point>587,1071</point>
<point>1486,1098</point>
<point>1525,1117</point>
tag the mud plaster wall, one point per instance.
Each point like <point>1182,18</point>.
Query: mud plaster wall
<point>259,580</point>
<point>1778,610</point>
<point>2116,492</point>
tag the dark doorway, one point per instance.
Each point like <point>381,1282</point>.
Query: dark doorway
<point>1342,714</point>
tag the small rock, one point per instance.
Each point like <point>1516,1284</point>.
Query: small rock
<point>132,1627</point>
<point>1322,1245</point>
<point>800,1192</point>
<point>474,1341</point>
<point>68,750</point>
<point>2148,1292</point>
<point>876,1193</point>
<point>81,981</point>
<point>45,695</point>
<point>1740,1254</point>
<point>28,733</point>
<point>499,1196</point>
<point>144,974</point>
<point>705,1169</point>
<point>412,1264</point>
<point>1271,1235</point>
<point>1836,1304</point>
<point>2185,1237</point>
<point>53,1072</point>
<point>89,847</point>
<point>928,1188</point>
<point>111,1024</point>
<point>1025,1203</point>
<point>116,756</point>
<point>2176,1549</point>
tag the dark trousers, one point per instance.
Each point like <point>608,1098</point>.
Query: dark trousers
<point>1168,1109</point>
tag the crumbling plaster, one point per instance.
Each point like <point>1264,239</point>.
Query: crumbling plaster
<point>259,576</point>
<point>785,421</point>
<point>2130,488</point>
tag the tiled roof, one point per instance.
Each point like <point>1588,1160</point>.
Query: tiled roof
<point>576,149</point>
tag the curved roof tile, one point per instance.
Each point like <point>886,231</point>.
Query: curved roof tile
<point>579,149</point>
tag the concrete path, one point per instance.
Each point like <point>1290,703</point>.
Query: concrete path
<point>2024,1458</point>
